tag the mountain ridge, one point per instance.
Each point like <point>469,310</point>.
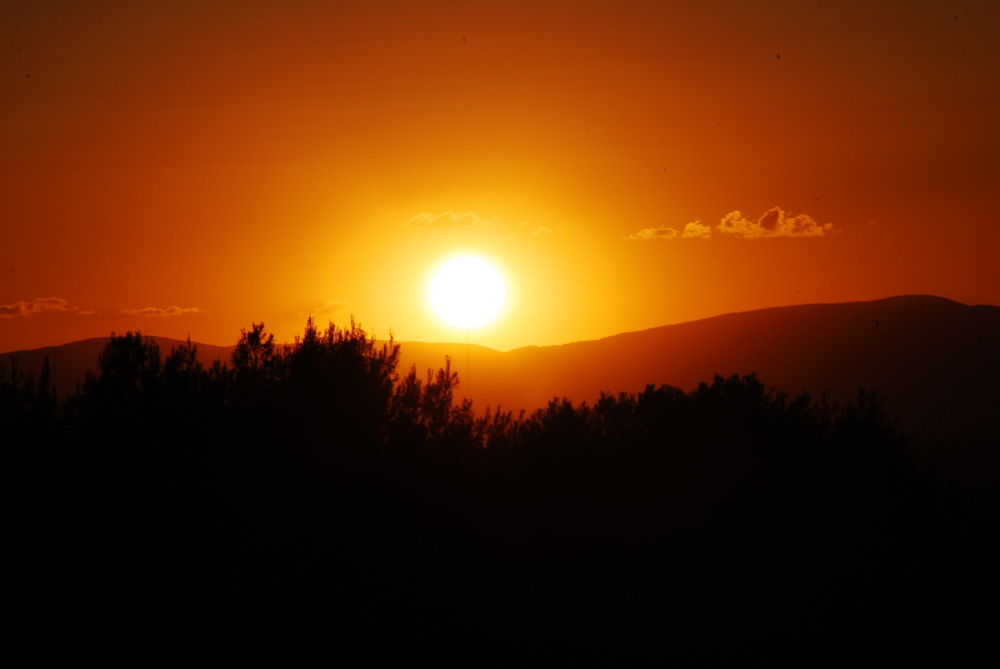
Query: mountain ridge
<point>934,361</point>
<point>880,345</point>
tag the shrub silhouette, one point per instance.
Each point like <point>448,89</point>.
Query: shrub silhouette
<point>27,404</point>
<point>707,525</point>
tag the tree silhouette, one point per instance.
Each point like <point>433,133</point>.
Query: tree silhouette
<point>426,418</point>
<point>728,521</point>
<point>27,404</point>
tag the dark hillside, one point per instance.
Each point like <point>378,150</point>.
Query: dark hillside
<point>311,499</point>
<point>934,361</point>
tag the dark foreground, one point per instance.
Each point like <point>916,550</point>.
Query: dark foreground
<point>309,501</point>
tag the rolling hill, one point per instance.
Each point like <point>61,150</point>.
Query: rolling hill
<point>936,362</point>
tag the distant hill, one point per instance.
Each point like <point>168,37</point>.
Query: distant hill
<point>71,362</point>
<point>935,361</point>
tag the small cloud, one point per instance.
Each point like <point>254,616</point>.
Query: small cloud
<point>336,305</point>
<point>695,230</point>
<point>448,219</point>
<point>161,312</point>
<point>28,308</point>
<point>654,233</point>
<point>535,229</point>
<point>330,308</point>
<point>769,221</point>
<point>772,223</point>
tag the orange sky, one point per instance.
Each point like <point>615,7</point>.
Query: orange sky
<point>190,167</point>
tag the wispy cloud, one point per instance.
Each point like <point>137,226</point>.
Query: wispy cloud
<point>693,230</point>
<point>329,309</point>
<point>28,308</point>
<point>448,219</point>
<point>654,233</point>
<point>773,223</point>
<point>533,229</point>
<point>161,312</point>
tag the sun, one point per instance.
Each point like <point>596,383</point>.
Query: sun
<point>467,292</point>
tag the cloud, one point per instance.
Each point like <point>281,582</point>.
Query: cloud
<point>654,233</point>
<point>696,230</point>
<point>330,308</point>
<point>773,223</point>
<point>535,229</point>
<point>693,230</point>
<point>161,312</point>
<point>448,219</point>
<point>27,308</point>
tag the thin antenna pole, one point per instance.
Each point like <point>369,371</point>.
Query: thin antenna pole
<point>468,363</point>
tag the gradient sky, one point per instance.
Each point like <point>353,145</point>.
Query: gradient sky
<point>192,167</point>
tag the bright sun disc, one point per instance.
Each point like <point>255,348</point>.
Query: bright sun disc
<point>467,292</point>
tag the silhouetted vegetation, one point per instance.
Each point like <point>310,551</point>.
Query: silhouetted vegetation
<point>310,494</point>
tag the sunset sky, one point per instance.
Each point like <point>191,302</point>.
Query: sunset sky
<point>193,167</point>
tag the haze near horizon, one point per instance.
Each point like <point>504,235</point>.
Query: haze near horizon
<point>183,169</point>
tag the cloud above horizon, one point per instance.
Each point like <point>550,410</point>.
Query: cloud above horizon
<point>161,312</point>
<point>693,230</point>
<point>329,309</point>
<point>28,308</point>
<point>772,223</point>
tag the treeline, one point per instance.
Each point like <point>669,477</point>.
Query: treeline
<point>310,496</point>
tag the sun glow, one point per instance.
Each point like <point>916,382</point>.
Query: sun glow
<point>467,292</point>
